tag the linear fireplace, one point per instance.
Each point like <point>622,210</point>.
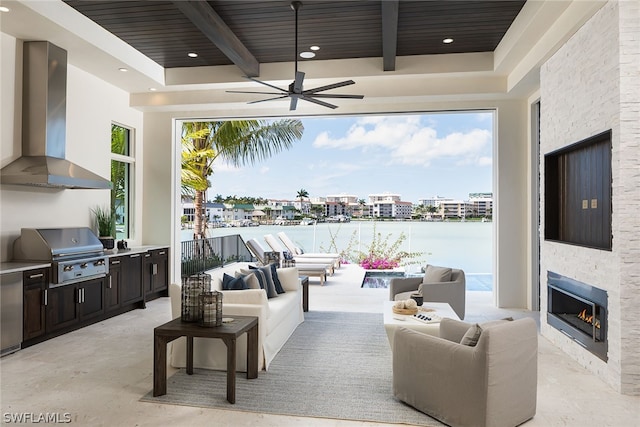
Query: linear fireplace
<point>579,311</point>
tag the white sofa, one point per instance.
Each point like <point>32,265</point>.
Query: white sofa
<point>277,319</point>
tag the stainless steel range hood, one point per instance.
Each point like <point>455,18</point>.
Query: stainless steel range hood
<point>44,105</point>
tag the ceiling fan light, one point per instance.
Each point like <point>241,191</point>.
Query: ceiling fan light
<point>307,55</point>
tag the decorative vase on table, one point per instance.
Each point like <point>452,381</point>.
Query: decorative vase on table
<point>192,287</point>
<point>210,309</point>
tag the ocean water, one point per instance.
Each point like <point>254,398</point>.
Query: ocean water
<point>464,245</point>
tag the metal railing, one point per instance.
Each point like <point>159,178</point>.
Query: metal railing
<point>201,255</point>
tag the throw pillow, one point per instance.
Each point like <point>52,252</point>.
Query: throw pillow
<point>230,283</point>
<point>259,277</point>
<point>435,274</point>
<point>276,279</point>
<point>472,336</point>
<point>250,279</point>
<point>270,287</point>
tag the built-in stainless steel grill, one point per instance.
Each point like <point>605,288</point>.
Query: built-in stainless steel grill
<point>75,253</point>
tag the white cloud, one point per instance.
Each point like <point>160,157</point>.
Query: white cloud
<point>407,141</point>
<point>264,169</point>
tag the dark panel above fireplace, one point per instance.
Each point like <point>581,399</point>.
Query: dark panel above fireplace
<point>577,184</point>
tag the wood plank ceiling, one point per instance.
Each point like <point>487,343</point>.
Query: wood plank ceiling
<point>265,29</point>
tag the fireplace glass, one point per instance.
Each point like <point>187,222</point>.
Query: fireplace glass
<point>579,311</point>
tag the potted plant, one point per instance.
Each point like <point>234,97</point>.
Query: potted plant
<point>106,224</point>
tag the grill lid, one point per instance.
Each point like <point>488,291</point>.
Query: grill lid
<point>47,244</point>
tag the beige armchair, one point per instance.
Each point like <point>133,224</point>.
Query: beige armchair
<point>439,284</point>
<point>491,384</point>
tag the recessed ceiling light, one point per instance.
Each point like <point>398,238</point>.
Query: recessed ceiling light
<point>192,55</point>
<point>4,9</point>
<point>315,48</point>
<point>124,70</point>
<point>152,89</point>
<point>447,41</point>
<point>307,55</point>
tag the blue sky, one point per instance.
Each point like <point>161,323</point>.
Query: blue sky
<point>416,156</point>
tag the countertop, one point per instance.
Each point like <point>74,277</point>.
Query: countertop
<point>18,266</point>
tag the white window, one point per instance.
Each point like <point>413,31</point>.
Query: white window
<point>122,164</point>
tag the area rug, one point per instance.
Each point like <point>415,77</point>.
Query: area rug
<point>335,365</point>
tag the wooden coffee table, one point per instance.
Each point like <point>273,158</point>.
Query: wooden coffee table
<point>227,332</point>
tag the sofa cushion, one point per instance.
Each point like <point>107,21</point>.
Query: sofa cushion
<point>276,280</point>
<point>230,283</point>
<point>472,336</point>
<point>269,286</point>
<point>250,279</point>
<point>434,274</point>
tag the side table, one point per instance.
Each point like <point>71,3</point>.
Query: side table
<point>304,281</point>
<point>227,332</point>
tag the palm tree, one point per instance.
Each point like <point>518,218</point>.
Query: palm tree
<point>302,193</point>
<point>238,142</point>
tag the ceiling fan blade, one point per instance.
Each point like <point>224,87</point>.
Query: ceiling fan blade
<point>328,87</point>
<point>297,83</point>
<point>267,84</point>
<point>248,91</point>
<point>294,103</point>
<point>268,99</point>
<point>337,95</point>
<point>317,101</point>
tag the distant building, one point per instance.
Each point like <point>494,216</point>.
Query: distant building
<point>481,204</point>
<point>344,198</point>
<point>455,209</point>
<point>213,211</point>
<point>433,201</point>
<point>384,197</point>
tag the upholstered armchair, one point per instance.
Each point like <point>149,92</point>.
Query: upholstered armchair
<point>439,284</point>
<point>493,383</point>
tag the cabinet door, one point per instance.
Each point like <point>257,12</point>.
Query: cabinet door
<point>34,304</point>
<point>161,276</point>
<point>131,279</point>
<point>63,307</point>
<point>148,273</point>
<point>91,298</point>
<point>112,287</point>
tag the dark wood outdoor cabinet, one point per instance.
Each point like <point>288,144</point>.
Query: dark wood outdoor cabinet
<point>92,298</point>
<point>112,286</point>
<point>34,303</point>
<point>63,310</point>
<point>578,193</point>
<point>131,279</point>
<point>156,273</point>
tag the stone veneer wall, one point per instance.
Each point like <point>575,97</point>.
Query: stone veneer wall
<point>590,85</point>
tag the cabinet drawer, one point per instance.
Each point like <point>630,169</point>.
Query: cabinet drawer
<point>40,275</point>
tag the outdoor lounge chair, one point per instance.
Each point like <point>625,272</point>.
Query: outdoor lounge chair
<point>296,251</point>
<point>275,245</point>
<point>311,270</point>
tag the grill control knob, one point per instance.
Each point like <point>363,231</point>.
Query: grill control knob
<point>84,265</point>
<point>67,268</point>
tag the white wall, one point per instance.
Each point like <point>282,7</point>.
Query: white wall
<point>92,105</point>
<point>589,86</point>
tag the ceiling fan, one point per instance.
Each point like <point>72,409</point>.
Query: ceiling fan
<point>296,91</point>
